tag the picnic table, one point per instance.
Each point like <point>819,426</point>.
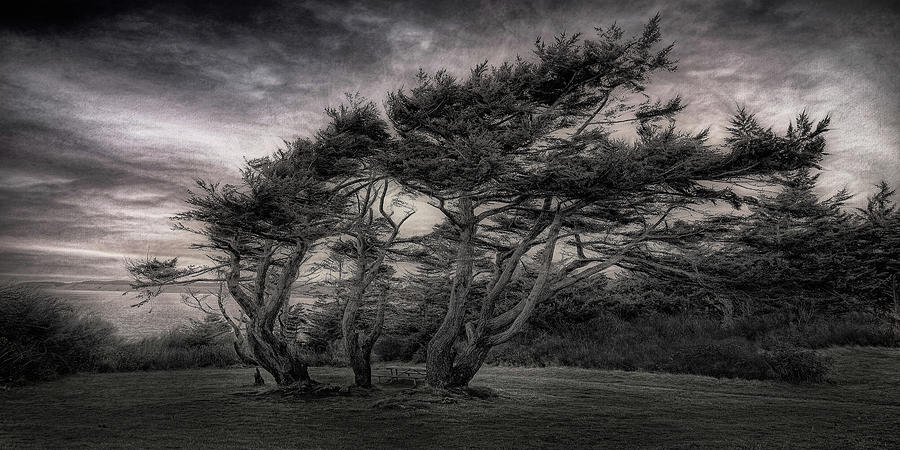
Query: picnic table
<point>400,374</point>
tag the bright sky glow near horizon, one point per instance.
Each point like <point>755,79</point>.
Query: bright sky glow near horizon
<point>109,110</point>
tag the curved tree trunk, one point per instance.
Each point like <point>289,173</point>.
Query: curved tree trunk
<point>276,357</point>
<point>467,365</point>
<point>240,342</point>
<point>457,370</point>
<point>441,355</point>
<point>240,348</point>
<point>262,308</point>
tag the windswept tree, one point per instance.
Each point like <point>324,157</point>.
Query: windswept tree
<point>261,233</point>
<point>372,235</point>
<point>873,266</point>
<point>779,256</point>
<point>795,252</point>
<point>521,161</point>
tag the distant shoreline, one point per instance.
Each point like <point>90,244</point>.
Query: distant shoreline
<point>311,290</point>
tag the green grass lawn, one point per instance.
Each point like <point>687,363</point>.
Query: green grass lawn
<point>536,407</point>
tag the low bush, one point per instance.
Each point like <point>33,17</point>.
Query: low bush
<point>728,358</point>
<point>324,354</point>
<point>402,348</point>
<point>797,365</point>
<point>43,337</point>
<point>772,330</point>
<point>850,330</point>
<point>677,344</point>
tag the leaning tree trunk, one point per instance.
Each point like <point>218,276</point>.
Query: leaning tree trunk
<point>240,349</point>
<point>276,357</point>
<point>240,342</point>
<point>262,307</point>
<point>467,364</point>
<point>480,339</point>
<point>439,363</point>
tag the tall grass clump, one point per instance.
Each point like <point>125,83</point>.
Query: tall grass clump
<point>43,337</point>
<point>201,343</point>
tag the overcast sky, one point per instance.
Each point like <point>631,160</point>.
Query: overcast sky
<point>108,111</point>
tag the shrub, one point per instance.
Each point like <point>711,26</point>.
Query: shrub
<point>797,366</point>
<point>660,342</point>
<point>730,358</point>
<point>211,330</point>
<point>328,354</point>
<point>579,304</point>
<point>396,348</point>
<point>848,330</point>
<point>776,329</point>
<point>43,337</point>
<point>606,342</point>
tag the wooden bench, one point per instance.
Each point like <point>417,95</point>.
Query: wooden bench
<point>393,374</point>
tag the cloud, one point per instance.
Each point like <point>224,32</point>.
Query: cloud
<point>109,110</point>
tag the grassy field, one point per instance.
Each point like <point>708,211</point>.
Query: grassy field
<point>536,407</point>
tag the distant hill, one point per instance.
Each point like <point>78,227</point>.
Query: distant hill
<point>308,290</point>
<point>89,285</point>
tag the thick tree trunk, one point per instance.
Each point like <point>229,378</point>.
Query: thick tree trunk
<point>358,353</point>
<point>467,364</point>
<point>359,346</point>
<point>441,355</point>
<point>362,368</point>
<point>262,308</point>
<point>274,355</point>
<point>240,343</point>
<point>481,339</point>
<point>360,357</point>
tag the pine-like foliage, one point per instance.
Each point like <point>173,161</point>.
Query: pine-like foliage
<point>522,160</point>
<point>262,232</point>
<point>794,251</point>
<point>873,253</point>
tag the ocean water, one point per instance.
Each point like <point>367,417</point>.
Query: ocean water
<point>164,313</point>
